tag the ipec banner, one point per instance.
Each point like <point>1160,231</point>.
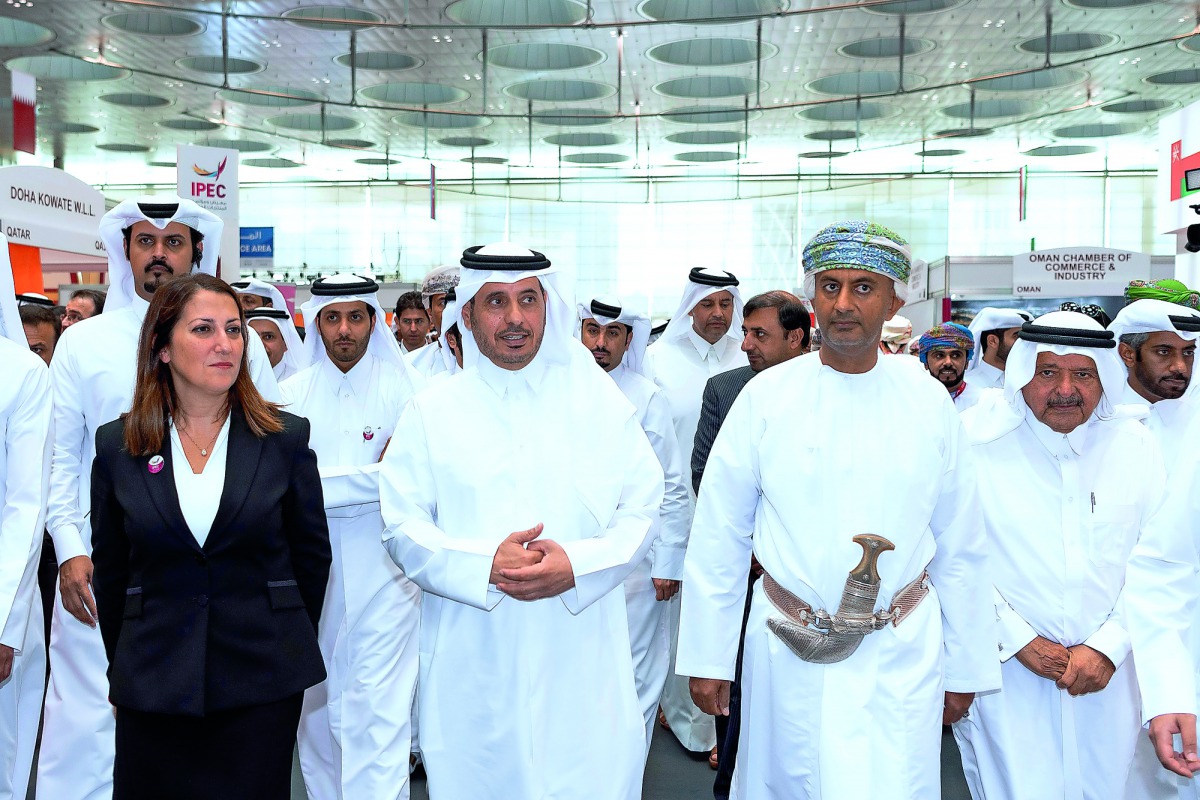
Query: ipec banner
<point>209,175</point>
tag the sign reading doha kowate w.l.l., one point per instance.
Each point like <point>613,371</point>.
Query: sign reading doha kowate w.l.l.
<point>1077,271</point>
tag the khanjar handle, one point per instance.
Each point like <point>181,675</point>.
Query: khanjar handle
<point>873,547</point>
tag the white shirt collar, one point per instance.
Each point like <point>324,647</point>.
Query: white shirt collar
<point>703,347</point>
<point>502,380</point>
<point>358,377</point>
<point>1058,444</point>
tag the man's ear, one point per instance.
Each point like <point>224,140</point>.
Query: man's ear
<point>468,311</point>
<point>628,337</point>
<point>897,303</point>
<point>1127,354</point>
<point>795,339</point>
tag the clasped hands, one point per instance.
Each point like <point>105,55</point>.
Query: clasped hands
<point>529,568</point>
<point>1079,669</point>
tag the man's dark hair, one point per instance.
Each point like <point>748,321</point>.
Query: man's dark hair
<point>410,301</point>
<point>1135,340</point>
<point>95,295</point>
<point>40,315</point>
<point>983,338</point>
<point>197,238</point>
<point>792,313</point>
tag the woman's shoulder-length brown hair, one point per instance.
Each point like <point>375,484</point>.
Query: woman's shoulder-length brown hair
<point>154,398</point>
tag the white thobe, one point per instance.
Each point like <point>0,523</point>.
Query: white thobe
<point>985,376</point>
<point>1168,420</point>
<point>354,734</point>
<point>429,361</point>
<point>282,371</point>
<point>681,367</point>
<point>93,374</point>
<point>649,636</point>
<point>968,397</point>
<point>25,408</point>
<point>1059,570</point>
<point>527,699</point>
<point>794,492</point>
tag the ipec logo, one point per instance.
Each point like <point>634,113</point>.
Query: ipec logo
<point>215,174</point>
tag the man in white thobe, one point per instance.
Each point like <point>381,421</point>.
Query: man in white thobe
<point>1064,723</point>
<point>149,241</point>
<point>995,331</point>
<point>354,731</point>
<point>701,340</point>
<point>25,411</point>
<point>526,672</point>
<point>1157,343</point>
<point>280,339</point>
<point>436,291</point>
<point>945,350</point>
<point>857,715</point>
<point>616,336</point>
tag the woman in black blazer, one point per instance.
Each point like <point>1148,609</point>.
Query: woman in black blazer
<point>211,557</point>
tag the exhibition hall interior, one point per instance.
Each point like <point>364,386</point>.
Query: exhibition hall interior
<point>1014,144</point>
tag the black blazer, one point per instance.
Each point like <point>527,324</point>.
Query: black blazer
<point>189,629</point>
<point>719,393</point>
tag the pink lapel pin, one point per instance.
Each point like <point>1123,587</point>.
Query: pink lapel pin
<point>155,466</point>
<point>368,434</point>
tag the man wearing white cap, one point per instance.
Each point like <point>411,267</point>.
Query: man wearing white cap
<point>280,339</point>
<point>149,242</point>
<point>1064,723</point>
<point>525,654</point>
<point>616,335</point>
<point>701,340</point>
<point>436,291</point>
<point>354,731</point>
<point>25,408</point>
<point>254,293</point>
<point>846,681</point>
<point>994,331</point>
<point>1157,343</point>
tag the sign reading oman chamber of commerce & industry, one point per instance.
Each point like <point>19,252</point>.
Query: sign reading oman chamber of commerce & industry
<point>44,207</point>
<point>1077,271</point>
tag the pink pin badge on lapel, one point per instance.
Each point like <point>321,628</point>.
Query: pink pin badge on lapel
<point>155,466</point>
<point>368,434</point>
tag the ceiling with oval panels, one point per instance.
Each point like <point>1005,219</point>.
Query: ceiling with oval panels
<point>359,90</point>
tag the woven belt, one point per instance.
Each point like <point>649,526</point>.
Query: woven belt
<point>904,603</point>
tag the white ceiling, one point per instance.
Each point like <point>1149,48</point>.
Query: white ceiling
<point>629,90</point>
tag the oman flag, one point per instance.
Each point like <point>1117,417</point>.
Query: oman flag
<point>24,103</point>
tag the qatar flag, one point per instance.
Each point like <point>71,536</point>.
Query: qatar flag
<point>24,103</point>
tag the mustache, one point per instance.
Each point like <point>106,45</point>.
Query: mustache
<point>516,329</point>
<point>160,263</point>
<point>1069,401</point>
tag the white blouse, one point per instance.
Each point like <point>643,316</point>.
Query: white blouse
<point>200,494</point>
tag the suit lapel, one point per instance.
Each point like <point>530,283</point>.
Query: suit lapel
<point>161,488</point>
<point>241,463</point>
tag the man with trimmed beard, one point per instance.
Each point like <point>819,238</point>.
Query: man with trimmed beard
<point>994,331</point>
<point>616,337</point>
<point>945,350</point>
<point>150,241</point>
<point>527,684</point>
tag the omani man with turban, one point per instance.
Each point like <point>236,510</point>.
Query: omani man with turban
<point>527,683</point>
<point>149,242</point>
<point>616,336</point>
<point>1063,725</point>
<point>945,350</point>
<point>846,680</point>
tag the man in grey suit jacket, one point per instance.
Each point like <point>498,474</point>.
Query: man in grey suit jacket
<point>775,328</point>
<point>778,331</point>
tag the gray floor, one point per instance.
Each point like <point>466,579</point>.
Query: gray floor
<point>674,774</point>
